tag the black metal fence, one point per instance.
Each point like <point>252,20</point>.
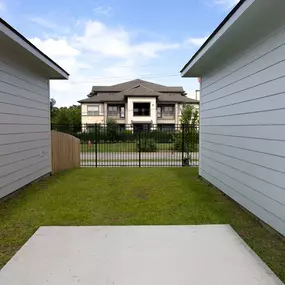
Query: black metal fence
<point>136,145</point>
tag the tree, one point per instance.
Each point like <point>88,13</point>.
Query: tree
<point>65,119</point>
<point>189,138</point>
<point>53,109</point>
<point>112,130</point>
<point>189,115</point>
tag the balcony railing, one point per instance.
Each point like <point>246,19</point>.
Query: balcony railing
<point>116,116</point>
<point>92,113</point>
<point>165,116</point>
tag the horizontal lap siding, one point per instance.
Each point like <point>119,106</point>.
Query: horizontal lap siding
<point>242,148</point>
<point>24,126</point>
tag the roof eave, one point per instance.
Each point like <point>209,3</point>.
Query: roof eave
<point>57,71</point>
<point>147,96</point>
<point>190,64</point>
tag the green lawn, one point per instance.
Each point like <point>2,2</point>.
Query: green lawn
<point>130,196</point>
<point>121,147</point>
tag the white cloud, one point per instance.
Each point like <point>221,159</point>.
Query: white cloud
<point>55,48</point>
<point>98,55</point>
<point>227,4</point>
<point>197,41</point>
<point>43,22</point>
<point>151,49</point>
<point>116,42</point>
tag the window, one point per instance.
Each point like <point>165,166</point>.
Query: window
<point>167,128</point>
<point>168,110</point>
<point>122,112</point>
<point>141,109</point>
<point>93,110</point>
<point>112,110</point>
<point>159,112</point>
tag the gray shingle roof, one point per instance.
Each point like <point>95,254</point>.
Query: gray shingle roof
<point>140,90</point>
<point>138,87</point>
<point>129,84</point>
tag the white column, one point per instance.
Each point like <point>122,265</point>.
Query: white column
<point>177,110</point>
<point>105,113</point>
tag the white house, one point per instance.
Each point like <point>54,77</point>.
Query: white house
<point>242,109</point>
<point>135,104</point>
<point>25,137</point>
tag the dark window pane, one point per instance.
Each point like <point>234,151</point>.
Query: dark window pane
<point>141,109</point>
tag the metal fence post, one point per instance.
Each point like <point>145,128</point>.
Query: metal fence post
<point>183,143</point>
<point>139,148</point>
<point>96,145</point>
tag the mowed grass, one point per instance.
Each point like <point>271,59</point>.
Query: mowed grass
<point>130,196</point>
<point>120,147</point>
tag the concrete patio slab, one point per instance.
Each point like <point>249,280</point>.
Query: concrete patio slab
<point>136,255</point>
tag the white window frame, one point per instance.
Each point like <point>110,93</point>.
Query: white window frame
<point>112,113</point>
<point>93,112</point>
<point>167,113</point>
<point>159,112</point>
<point>122,112</point>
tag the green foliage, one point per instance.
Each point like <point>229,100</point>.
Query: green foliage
<point>112,130</point>
<point>66,119</point>
<point>159,136</point>
<point>187,139</point>
<point>130,196</point>
<point>126,136</point>
<point>53,109</point>
<point>190,143</point>
<point>189,115</point>
<point>146,145</point>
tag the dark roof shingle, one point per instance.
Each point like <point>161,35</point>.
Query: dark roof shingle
<point>138,87</point>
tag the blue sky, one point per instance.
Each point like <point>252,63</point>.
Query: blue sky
<point>104,42</point>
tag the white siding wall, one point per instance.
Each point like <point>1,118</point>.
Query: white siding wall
<point>243,130</point>
<point>24,126</point>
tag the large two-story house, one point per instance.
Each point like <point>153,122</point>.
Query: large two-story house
<point>136,104</point>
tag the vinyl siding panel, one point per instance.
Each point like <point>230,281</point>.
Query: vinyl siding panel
<point>24,125</point>
<point>242,111</point>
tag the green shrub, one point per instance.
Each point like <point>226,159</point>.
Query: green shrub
<point>92,135</point>
<point>146,145</point>
<point>162,136</point>
<point>112,130</point>
<point>126,136</point>
<point>158,136</point>
<point>191,142</point>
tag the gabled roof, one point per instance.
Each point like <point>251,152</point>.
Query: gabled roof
<point>139,88</point>
<point>227,18</point>
<point>129,84</point>
<point>19,40</point>
<point>249,25</point>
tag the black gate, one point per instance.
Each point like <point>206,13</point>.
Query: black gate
<point>136,146</point>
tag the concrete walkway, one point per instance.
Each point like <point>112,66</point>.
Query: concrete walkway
<point>134,255</point>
